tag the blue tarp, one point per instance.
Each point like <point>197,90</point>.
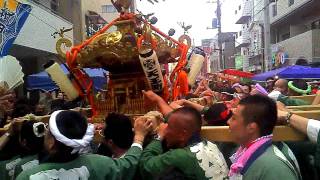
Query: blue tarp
<point>264,76</point>
<point>290,72</point>
<point>42,81</point>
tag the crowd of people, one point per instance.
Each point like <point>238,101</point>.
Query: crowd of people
<point>166,144</point>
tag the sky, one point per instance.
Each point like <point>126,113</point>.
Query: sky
<point>198,13</point>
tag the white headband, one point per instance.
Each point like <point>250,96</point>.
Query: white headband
<point>78,145</point>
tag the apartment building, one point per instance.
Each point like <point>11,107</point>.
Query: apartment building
<point>211,60</point>
<point>35,43</point>
<point>243,16</point>
<point>87,16</point>
<point>228,50</point>
<point>249,40</point>
<point>295,31</point>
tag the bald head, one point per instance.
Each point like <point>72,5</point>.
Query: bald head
<point>183,123</point>
<point>190,118</point>
<point>282,86</point>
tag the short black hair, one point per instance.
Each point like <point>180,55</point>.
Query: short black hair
<point>261,110</point>
<point>71,124</point>
<point>300,83</point>
<point>119,130</point>
<point>33,143</point>
<point>230,92</point>
<point>213,115</point>
<point>57,104</point>
<point>196,116</point>
<point>302,62</point>
<point>21,108</point>
<point>270,78</point>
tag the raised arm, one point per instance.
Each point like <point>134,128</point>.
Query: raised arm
<point>307,126</point>
<point>125,167</point>
<point>155,99</point>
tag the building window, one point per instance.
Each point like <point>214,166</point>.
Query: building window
<point>290,2</point>
<point>54,4</point>
<point>239,7</point>
<point>285,36</point>
<point>240,33</point>
<point>274,10</point>
<point>235,12</point>
<point>315,24</point>
<point>108,9</point>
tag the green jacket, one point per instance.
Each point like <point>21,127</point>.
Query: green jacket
<point>317,154</point>
<point>91,166</point>
<point>200,161</point>
<point>9,169</point>
<point>271,165</point>
<point>291,102</point>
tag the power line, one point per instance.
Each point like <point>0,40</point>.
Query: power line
<point>262,9</point>
<point>256,5</point>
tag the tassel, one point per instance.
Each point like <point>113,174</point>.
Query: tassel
<point>183,83</point>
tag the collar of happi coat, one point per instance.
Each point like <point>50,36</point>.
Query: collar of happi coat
<point>245,156</point>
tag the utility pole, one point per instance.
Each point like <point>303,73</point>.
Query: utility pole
<point>267,48</point>
<point>220,62</point>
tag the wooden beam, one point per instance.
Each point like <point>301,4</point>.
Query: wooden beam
<point>314,114</point>
<point>222,134</point>
<point>304,108</point>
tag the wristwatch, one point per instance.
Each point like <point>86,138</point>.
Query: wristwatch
<point>288,118</point>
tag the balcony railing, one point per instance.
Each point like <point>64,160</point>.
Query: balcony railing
<point>243,12</point>
<point>243,40</point>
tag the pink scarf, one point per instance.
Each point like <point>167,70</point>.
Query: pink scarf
<point>240,158</point>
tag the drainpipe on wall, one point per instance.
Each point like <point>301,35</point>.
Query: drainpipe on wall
<point>262,45</point>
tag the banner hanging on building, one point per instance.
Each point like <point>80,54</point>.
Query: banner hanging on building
<point>12,17</point>
<point>239,61</point>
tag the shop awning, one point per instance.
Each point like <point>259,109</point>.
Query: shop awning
<point>238,73</point>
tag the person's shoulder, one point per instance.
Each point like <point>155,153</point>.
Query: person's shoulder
<point>292,101</point>
<point>27,173</point>
<point>85,163</point>
<point>179,155</point>
<point>271,156</point>
<point>272,163</point>
<point>93,159</point>
<point>27,162</point>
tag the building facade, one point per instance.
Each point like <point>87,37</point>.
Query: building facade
<point>295,31</point>
<point>228,50</point>
<point>249,40</point>
<point>242,38</point>
<point>87,17</point>
<point>36,43</point>
<point>212,54</point>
